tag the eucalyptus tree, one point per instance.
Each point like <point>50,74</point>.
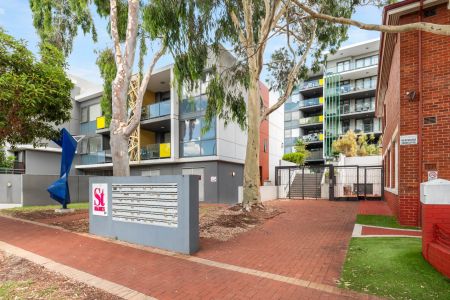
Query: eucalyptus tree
<point>302,30</point>
<point>131,31</point>
<point>246,27</point>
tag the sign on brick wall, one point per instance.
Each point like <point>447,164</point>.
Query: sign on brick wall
<point>410,139</point>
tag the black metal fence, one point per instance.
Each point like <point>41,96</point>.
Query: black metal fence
<point>330,182</point>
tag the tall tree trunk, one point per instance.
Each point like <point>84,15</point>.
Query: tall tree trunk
<point>118,138</point>
<point>252,197</point>
<point>119,151</point>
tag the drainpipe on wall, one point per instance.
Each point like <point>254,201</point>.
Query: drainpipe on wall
<point>420,110</point>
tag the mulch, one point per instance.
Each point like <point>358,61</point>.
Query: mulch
<point>22,279</point>
<point>218,222</point>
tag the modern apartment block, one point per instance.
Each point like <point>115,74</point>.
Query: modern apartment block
<point>169,139</point>
<point>339,98</point>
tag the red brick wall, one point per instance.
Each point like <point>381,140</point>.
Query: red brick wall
<point>435,102</point>
<point>435,252</point>
<point>264,137</point>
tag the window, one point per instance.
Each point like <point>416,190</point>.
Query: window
<point>345,106</point>
<point>343,66</point>
<point>287,116</point>
<point>193,142</point>
<point>366,61</point>
<point>84,114</point>
<point>345,125</point>
<point>194,104</point>
<point>95,144</point>
<point>295,115</point>
<point>95,111</point>
<point>265,145</point>
<point>366,83</point>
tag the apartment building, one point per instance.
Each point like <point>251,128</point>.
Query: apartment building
<point>412,99</point>
<point>339,98</point>
<point>169,139</point>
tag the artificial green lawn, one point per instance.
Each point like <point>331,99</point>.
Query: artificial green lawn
<point>393,268</point>
<point>83,205</point>
<point>383,221</point>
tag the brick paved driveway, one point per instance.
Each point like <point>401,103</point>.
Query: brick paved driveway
<point>309,241</point>
<point>306,244</point>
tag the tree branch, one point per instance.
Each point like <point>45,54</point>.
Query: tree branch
<point>291,78</point>
<point>131,37</point>
<point>134,122</point>
<point>423,26</point>
<point>115,33</point>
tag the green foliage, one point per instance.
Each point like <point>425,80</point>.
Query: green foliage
<point>34,95</point>
<point>57,21</point>
<point>351,144</point>
<point>106,64</point>
<point>299,156</point>
<point>6,161</point>
<point>393,268</point>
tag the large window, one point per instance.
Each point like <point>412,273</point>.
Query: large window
<point>343,66</point>
<point>90,113</point>
<point>366,83</point>
<point>366,61</point>
<point>193,104</point>
<point>193,142</point>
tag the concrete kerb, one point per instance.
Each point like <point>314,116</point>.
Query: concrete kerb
<point>357,232</point>
<point>253,272</point>
<point>74,274</point>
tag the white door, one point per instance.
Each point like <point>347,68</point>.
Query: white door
<point>201,185</point>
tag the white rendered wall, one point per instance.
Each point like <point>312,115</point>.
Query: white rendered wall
<point>276,136</point>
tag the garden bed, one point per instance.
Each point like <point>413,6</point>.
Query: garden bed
<point>22,279</point>
<point>219,222</point>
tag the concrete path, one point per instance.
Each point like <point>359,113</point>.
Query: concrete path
<point>297,255</point>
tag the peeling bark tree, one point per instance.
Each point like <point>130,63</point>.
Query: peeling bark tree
<point>304,29</point>
<point>121,128</point>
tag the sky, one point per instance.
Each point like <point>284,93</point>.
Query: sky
<point>15,18</point>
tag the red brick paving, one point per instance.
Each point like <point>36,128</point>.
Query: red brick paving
<point>309,241</point>
<point>374,208</point>
<point>384,231</point>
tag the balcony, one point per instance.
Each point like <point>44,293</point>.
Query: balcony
<point>310,84</point>
<point>316,154</point>
<point>358,108</point>
<point>350,67</point>
<point>100,157</point>
<point>311,120</point>
<point>312,138</point>
<point>311,102</point>
<point>87,128</point>
<point>155,110</point>
<point>155,151</point>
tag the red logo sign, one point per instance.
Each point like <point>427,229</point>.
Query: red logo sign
<point>100,199</point>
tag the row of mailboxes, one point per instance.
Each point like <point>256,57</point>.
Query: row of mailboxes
<point>155,204</point>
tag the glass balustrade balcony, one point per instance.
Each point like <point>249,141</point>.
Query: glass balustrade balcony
<point>312,137</point>
<point>155,110</point>
<point>315,154</point>
<point>309,84</point>
<point>311,102</point>
<point>100,157</point>
<point>363,107</point>
<point>311,120</point>
<point>155,151</point>
<point>348,88</point>
<point>350,67</point>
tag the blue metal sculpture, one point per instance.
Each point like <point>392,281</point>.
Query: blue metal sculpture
<point>59,190</point>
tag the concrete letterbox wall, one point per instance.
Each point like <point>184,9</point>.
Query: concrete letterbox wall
<point>435,201</point>
<point>160,211</point>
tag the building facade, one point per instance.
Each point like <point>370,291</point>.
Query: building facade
<point>170,140</point>
<point>412,99</point>
<point>339,98</point>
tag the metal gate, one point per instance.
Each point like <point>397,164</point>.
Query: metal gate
<point>304,182</point>
<point>330,182</point>
<point>358,182</point>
